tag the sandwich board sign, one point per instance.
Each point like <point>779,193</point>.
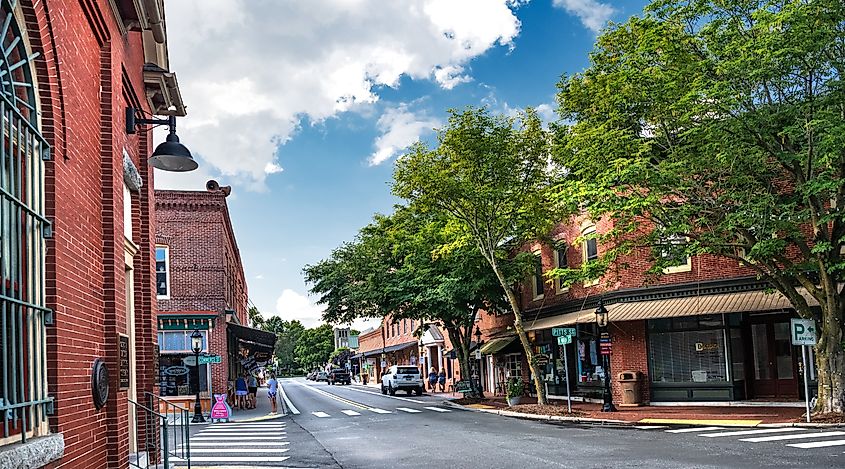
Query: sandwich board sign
<point>803,331</point>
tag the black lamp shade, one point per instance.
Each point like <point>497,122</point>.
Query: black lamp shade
<point>173,156</point>
<point>196,341</point>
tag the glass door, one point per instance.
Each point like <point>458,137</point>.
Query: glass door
<point>773,358</point>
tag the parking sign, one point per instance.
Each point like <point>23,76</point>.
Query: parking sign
<point>803,331</point>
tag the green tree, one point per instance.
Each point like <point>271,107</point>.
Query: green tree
<point>492,174</point>
<point>722,123</point>
<point>255,317</point>
<point>288,334</point>
<point>427,272</point>
<point>314,347</point>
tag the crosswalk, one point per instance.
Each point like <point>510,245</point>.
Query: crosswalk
<point>793,437</point>
<point>252,444</point>
<point>376,410</point>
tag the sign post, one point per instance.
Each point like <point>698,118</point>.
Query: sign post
<point>563,340</point>
<point>803,333</point>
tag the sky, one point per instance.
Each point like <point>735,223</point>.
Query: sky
<point>303,106</point>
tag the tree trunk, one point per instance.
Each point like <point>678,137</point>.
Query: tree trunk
<point>523,337</point>
<point>830,356</point>
<point>461,345</point>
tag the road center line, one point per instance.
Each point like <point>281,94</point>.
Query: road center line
<point>333,396</point>
<point>387,395</point>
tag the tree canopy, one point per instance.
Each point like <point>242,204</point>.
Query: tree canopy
<point>721,124</point>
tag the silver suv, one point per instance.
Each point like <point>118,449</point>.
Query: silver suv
<point>404,377</point>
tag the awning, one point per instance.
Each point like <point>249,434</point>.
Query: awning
<point>253,339</point>
<point>740,302</point>
<point>432,336</point>
<point>392,348</point>
<point>495,345</point>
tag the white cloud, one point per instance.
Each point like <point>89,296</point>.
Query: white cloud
<point>292,305</point>
<point>592,13</point>
<point>400,128</point>
<point>546,112</point>
<point>251,70</point>
<point>259,277</point>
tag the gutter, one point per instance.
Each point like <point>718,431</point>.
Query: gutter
<point>155,18</point>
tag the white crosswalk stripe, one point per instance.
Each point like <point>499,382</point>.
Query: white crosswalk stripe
<point>437,409</point>
<point>649,427</point>
<point>380,411</point>
<point>350,413</point>
<point>410,411</point>
<point>320,414</point>
<point>800,436</point>
<point>818,444</point>
<point>752,432</point>
<point>239,445</point>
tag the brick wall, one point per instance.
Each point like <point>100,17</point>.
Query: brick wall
<point>629,353</point>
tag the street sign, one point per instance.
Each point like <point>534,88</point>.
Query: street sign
<point>803,332</point>
<point>190,360</point>
<point>564,339</point>
<point>563,332</point>
<point>207,359</point>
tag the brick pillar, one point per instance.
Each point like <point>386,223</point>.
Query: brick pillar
<point>218,345</point>
<point>629,353</point>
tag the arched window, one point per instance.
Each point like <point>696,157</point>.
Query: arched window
<point>589,248</point>
<point>23,316</point>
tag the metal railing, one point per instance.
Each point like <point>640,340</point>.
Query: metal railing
<point>162,433</point>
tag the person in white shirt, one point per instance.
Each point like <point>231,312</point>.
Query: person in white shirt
<point>272,386</point>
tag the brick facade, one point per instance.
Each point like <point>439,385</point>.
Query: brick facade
<point>206,274</point>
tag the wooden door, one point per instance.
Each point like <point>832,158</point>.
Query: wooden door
<point>773,359</point>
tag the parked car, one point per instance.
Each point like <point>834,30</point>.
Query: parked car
<point>339,376</point>
<point>402,377</point>
<point>311,376</point>
<point>321,376</point>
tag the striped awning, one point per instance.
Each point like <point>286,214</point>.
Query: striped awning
<point>740,302</point>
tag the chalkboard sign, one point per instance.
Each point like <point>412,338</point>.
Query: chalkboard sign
<point>123,375</point>
<point>463,386</point>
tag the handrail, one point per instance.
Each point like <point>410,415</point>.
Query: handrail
<point>158,435</point>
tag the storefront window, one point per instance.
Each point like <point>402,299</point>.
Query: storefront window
<point>590,369</point>
<point>687,356</point>
<point>177,379</point>
<point>513,365</point>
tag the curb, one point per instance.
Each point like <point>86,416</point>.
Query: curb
<point>625,423</point>
<point>544,418</point>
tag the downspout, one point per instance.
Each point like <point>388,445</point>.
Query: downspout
<point>155,18</point>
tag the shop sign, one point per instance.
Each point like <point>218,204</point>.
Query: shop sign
<point>563,332</point>
<point>564,339</point>
<point>702,347</point>
<point>176,370</point>
<point>803,331</point>
<point>541,359</point>
<point>123,369</point>
<point>605,344</point>
<point>210,359</point>
<point>190,360</point>
<point>220,410</point>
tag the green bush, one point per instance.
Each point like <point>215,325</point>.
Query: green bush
<point>515,387</point>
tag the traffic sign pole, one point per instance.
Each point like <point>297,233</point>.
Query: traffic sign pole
<point>806,384</point>
<point>566,375</point>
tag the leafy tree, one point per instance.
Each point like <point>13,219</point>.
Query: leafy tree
<point>288,334</point>
<point>255,317</point>
<point>721,122</point>
<point>493,175</point>
<point>314,347</point>
<point>340,356</point>
<point>425,271</point>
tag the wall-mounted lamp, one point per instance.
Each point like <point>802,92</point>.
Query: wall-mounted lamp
<point>169,155</point>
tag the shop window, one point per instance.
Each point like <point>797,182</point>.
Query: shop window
<point>162,272</point>
<point>513,365</point>
<point>688,356</point>
<point>538,283</point>
<point>590,369</point>
<point>177,379</point>
<point>179,341</point>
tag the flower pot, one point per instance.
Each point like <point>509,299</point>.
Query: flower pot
<point>512,401</point>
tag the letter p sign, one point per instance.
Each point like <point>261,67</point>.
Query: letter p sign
<point>803,332</point>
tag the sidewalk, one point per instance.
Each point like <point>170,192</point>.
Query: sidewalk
<point>261,410</point>
<point>654,415</point>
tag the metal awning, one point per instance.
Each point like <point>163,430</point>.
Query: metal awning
<point>254,339</point>
<point>392,348</point>
<point>496,345</point>
<point>740,302</point>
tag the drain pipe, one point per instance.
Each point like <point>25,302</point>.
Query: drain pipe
<point>156,20</point>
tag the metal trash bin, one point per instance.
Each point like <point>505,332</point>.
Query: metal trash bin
<point>630,382</point>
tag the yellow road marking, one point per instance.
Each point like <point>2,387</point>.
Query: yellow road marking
<point>336,397</point>
<point>480,406</point>
<point>706,422</point>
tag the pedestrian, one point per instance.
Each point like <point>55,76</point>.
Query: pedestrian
<point>252,387</point>
<point>441,380</point>
<point>241,391</point>
<point>432,379</point>
<point>272,384</point>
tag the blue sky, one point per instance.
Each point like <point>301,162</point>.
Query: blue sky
<point>303,107</point>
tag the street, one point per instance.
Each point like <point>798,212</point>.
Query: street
<point>357,427</point>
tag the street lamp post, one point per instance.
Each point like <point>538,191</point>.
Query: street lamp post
<point>475,379</point>
<point>601,321</point>
<point>196,347</point>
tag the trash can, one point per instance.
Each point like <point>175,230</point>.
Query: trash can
<point>630,382</point>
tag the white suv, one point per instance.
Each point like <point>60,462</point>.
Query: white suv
<point>404,377</point>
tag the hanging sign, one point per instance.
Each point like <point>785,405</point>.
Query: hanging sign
<point>605,344</point>
<point>123,369</point>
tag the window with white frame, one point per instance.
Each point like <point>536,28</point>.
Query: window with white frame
<point>162,272</point>
<point>589,249</point>
<point>179,341</point>
<point>537,280</point>
<point>513,365</point>
<point>672,250</point>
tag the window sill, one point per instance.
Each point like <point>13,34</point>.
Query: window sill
<point>678,269</point>
<point>36,452</point>
<point>538,297</point>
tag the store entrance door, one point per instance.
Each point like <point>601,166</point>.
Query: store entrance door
<point>774,361</point>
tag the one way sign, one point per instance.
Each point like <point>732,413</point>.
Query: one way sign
<point>803,332</point>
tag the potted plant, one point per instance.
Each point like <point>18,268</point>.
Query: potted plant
<point>514,391</point>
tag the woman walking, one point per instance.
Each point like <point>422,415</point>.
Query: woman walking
<point>432,379</point>
<point>272,386</point>
<point>441,380</point>
<point>241,391</point>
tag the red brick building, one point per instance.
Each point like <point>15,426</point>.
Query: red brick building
<point>77,229</point>
<point>704,330</point>
<point>200,285</point>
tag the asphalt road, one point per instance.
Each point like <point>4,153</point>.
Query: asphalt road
<point>357,427</point>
